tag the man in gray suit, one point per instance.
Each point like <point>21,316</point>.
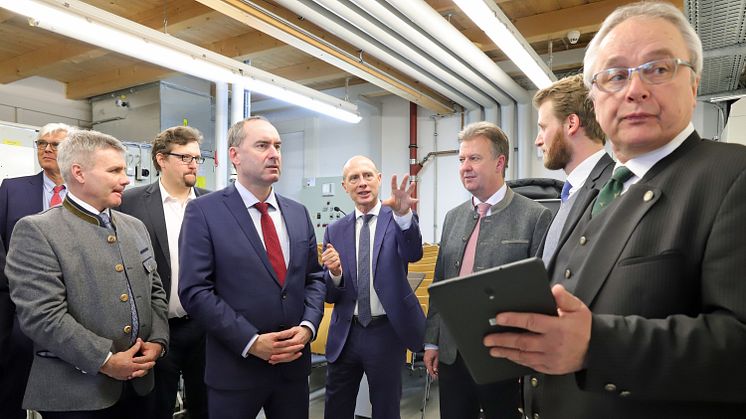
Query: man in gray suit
<point>650,285</point>
<point>160,206</point>
<point>85,285</point>
<point>572,141</point>
<point>494,227</point>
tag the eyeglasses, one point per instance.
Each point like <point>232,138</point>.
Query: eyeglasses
<point>187,158</point>
<point>42,145</point>
<point>615,79</point>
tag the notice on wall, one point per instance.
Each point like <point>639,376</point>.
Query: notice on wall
<point>16,160</point>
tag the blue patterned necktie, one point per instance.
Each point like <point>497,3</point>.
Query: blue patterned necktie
<point>565,191</point>
<point>107,224</point>
<point>363,273</point>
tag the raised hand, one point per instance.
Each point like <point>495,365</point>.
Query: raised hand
<point>401,199</point>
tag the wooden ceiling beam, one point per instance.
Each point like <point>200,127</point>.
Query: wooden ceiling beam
<point>181,14</point>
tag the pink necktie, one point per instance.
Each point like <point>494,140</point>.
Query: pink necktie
<point>467,264</point>
<point>56,198</point>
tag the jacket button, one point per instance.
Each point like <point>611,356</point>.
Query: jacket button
<point>536,416</point>
<point>458,263</point>
<point>534,382</point>
<point>583,240</point>
<point>284,295</point>
<point>119,267</point>
<point>610,387</point>
<point>464,238</point>
<point>568,273</point>
<point>111,239</point>
<point>127,329</point>
<point>648,196</point>
<point>124,298</point>
<point>625,393</point>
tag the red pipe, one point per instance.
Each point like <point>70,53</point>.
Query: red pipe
<point>414,166</point>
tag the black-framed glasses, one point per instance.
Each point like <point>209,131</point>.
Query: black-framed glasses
<point>660,71</point>
<point>42,145</point>
<point>186,158</point>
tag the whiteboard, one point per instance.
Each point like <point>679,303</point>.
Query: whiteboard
<point>17,152</point>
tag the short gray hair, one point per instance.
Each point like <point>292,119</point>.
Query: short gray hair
<point>665,11</point>
<point>53,128</point>
<point>79,147</point>
<point>236,133</point>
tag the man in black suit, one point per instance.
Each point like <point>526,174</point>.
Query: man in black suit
<point>160,206</point>
<point>572,141</point>
<point>650,284</point>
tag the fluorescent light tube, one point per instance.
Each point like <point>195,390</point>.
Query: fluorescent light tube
<point>88,24</point>
<point>487,19</point>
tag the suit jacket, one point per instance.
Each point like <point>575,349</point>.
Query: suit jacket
<point>662,270</point>
<point>19,197</point>
<point>393,250</point>
<point>227,283</point>
<point>513,231</point>
<point>146,204</point>
<point>68,277</point>
<point>596,180</point>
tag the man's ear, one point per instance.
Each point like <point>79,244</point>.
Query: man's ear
<point>572,123</point>
<point>77,172</point>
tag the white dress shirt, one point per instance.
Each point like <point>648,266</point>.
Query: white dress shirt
<point>640,165</point>
<point>173,210</point>
<point>48,186</point>
<point>581,172</point>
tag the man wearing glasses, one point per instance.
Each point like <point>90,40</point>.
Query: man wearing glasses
<point>20,197</point>
<point>650,285</point>
<point>160,206</point>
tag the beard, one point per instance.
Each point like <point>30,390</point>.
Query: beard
<point>189,180</point>
<point>558,154</point>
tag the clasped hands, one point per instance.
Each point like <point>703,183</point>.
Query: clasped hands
<point>553,345</point>
<point>134,362</point>
<point>283,346</point>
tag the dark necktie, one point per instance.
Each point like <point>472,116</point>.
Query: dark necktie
<point>467,262</point>
<point>107,224</point>
<point>565,191</point>
<point>56,197</point>
<point>611,190</point>
<point>363,273</point>
<point>272,243</point>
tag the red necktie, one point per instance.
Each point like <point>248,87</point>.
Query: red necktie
<point>467,264</point>
<point>56,198</point>
<point>272,243</point>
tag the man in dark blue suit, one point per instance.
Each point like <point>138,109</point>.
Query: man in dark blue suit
<point>376,314</point>
<point>20,197</point>
<point>249,273</point>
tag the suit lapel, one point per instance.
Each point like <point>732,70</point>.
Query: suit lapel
<point>157,219</point>
<point>384,218</point>
<point>233,201</point>
<point>626,215</point>
<point>37,183</point>
<point>348,242</point>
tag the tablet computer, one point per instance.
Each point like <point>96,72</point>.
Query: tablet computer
<point>468,306</point>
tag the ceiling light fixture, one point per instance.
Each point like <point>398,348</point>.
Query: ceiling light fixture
<point>488,17</point>
<point>89,24</point>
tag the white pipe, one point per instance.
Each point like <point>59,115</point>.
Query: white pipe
<point>221,135</point>
<point>333,24</point>
<point>406,30</point>
<point>429,20</point>
<point>525,142</point>
<point>403,46</point>
<point>236,103</point>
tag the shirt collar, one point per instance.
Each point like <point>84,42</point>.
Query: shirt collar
<point>165,196</point>
<point>86,206</point>
<point>578,176</point>
<point>48,183</point>
<point>374,211</point>
<point>641,164</point>
<point>249,199</point>
<point>494,199</point>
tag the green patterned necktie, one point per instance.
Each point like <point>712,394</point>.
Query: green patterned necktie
<point>611,190</point>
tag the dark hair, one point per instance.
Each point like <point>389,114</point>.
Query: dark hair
<point>163,143</point>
